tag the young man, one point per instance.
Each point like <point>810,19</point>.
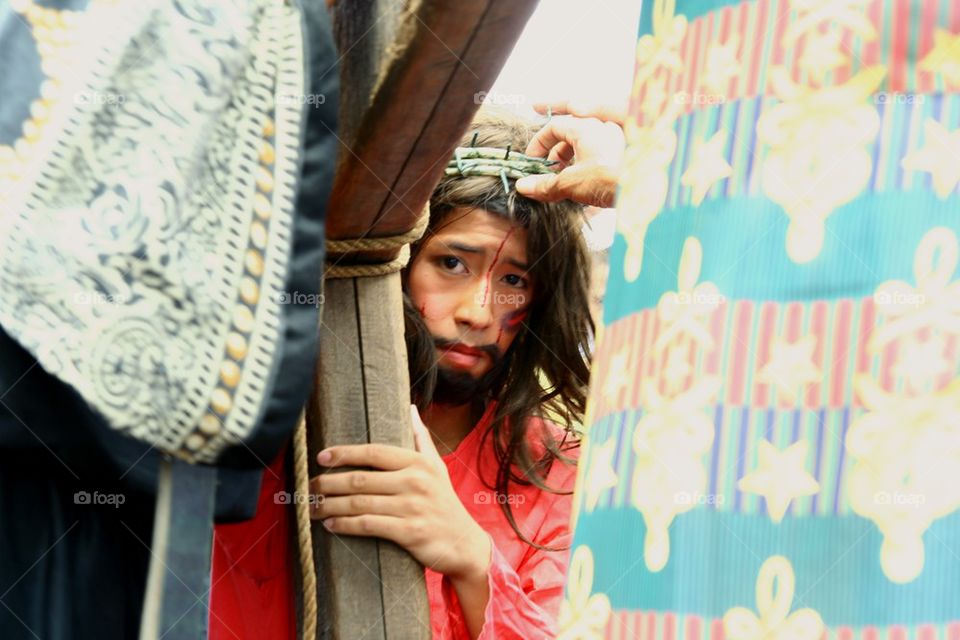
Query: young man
<point>498,330</point>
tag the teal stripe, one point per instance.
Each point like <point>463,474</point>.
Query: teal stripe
<point>744,250</point>
<point>715,558</point>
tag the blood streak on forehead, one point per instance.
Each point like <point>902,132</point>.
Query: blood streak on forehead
<point>496,258</point>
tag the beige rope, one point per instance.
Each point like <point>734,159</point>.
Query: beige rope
<point>352,245</point>
<point>301,474</point>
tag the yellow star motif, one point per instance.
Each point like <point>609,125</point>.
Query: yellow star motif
<point>822,54</point>
<point>707,167</point>
<point>722,65</point>
<point>940,156</point>
<point>944,58</point>
<point>791,366</point>
<point>780,477</point>
<point>616,376</point>
<point>601,475</point>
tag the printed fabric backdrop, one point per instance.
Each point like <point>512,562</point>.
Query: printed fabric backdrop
<point>773,447</point>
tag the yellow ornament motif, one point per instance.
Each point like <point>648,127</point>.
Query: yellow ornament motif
<point>660,49</point>
<point>583,615</point>
<point>822,54</point>
<point>940,156</point>
<point>780,477</point>
<point>601,475</point>
<point>688,309</point>
<point>944,58</point>
<point>905,471</point>
<point>644,185</point>
<point>920,363</point>
<point>773,620</point>
<point>670,442</point>
<point>707,167</point>
<point>819,157</point>
<point>935,300</point>
<point>837,14</point>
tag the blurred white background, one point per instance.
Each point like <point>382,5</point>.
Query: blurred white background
<point>580,50</point>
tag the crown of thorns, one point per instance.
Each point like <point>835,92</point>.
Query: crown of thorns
<point>494,162</point>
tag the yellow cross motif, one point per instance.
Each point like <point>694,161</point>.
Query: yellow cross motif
<point>660,48</point>
<point>775,590</point>
<point>583,615</point>
<point>780,477</point>
<point>686,310</point>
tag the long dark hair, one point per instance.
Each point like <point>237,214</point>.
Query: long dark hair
<point>548,368</point>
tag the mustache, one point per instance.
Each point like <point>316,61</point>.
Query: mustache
<point>490,349</point>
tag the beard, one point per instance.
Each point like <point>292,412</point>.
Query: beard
<point>456,388</point>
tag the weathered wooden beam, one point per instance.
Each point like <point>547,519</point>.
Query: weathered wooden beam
<point>410,70</point>
<point>417,106</point>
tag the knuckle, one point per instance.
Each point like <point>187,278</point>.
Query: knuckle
<point>357,480</point>
<point>364,524</point>
<point>360,503</point>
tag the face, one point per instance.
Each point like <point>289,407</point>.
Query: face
<point>470,283</point>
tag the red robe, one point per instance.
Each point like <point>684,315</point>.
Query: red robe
<point>252,592</point>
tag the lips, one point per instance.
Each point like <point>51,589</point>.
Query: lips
<point>462,356</point>
<point>466,350</point>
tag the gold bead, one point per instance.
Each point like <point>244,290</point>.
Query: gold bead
<point>194,441</point>
<point>249,291</point>
<point>39,111</point>
<point>261,206</point>
<point>236,346</point>
<point>258,235</point>
<point>253,261</point>
<point>230,373</point>
<point>267,154</point>
<point>221,401</point>
<point>31,131</point>
<point>49,89</point>
<point>268,128</point>
<point>210,424</point>
<point>264,180</point>
<point>243,319</point>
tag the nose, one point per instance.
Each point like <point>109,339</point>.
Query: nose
<point>475,310</point>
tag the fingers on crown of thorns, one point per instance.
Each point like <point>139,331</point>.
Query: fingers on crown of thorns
<point>495,162</point>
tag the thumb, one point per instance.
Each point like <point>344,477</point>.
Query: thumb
<point>421,435</point>
<point>544,188</point>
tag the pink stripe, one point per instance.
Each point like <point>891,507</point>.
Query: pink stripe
<point>726,15</point>
<point>782,19</point>
<point>693,628</point>
<point>870,633</point>
<point>716,630</point>
<point>866,330</point>
<point>953,628</point>
<point>738,345</point>
<point>896,632</point>
<point>629,343</point>
<point>768,322</point>
<point>887,363</point>
<point>841,352</point>
<point>844,633</point>
<point>651,625</point>
<point>794,317</point>
<point>759,36</point>
<point>951,356</point>
<point>926,632</point>
<point>643,347</point>
<point>818,321</point>
<point>712,363</point>
<point>669,625</point>
<point>740,82</point>
<point>690,67</point>
<point>901,20</point>
<point>871,50</point>
<point>842,72</point>
<point>954,17</point>
<point>928,21</point>
<point>648,356</point>
<point>677,79</point>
